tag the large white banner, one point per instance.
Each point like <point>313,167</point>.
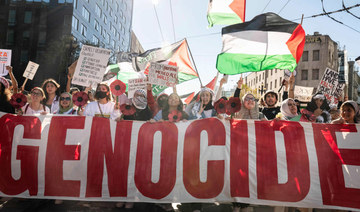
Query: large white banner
<point>91,66</point>
<point>260,162</point>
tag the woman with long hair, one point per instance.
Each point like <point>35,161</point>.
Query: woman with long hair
<point>174,104</point>
<point>204,107</point>
<point>37,95</point>
<point>52,93</point>
<point>349,112</point>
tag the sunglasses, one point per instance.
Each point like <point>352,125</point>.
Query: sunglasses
<point>249,99</point>
<point>36,93</point>
<point>65,98</point>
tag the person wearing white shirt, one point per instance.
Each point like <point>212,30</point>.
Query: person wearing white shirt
<point>35,106</point>
<point>103,107</point>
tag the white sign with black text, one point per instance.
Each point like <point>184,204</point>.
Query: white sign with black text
<point>5,60</point>
<point>30,70</point>
<point>136,84</point>
<point>163,75</point>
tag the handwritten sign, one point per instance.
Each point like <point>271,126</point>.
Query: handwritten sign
<point>91,66</point>
<point>5,60</point>
<point>30,70</point>
<point>303,94</point>
<point>162,74</point>
<point>136,84</point>
<point>330,86</point>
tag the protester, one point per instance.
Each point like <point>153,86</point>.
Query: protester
<point>173,105</point>
<point>334,112</point>
<point>52,93</point>
<point>288,110</point>
<point>249,108</point>
<point>74,90</point>
<point>37,95</point>
<point>297,102</point>
<point>103,107</point>
<point>143,112</point>
<point>5,96</point>
<point>203,108</point>
<point>161,100</point>
<point>316,110</point>
<point>349,111</point>
<point>66,105</point>
<point>14,84</point>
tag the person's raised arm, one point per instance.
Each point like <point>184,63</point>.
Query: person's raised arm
<point>13,79</point>
<point>238,89</point>
<point>219,91</point>
<point>292,86</point>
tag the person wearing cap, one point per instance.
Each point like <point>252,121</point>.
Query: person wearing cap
<point>35,107</point>
<point>349,111</point>
<point>316,110</point>
<point>5,96</point>
<point>139,101</point>
<point>203,108</point>
<point>103,106</point>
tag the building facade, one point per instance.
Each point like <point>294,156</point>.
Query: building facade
<point>49,32</point>
<point>353,90</point>
<point>320,52</point>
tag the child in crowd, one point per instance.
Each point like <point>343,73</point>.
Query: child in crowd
<point>52,93</point>
<point>349,111</point>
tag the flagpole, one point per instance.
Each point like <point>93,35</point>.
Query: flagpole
<point>302,18</point>
<point>193,62</point>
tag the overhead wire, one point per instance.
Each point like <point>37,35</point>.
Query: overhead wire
<point>327,14</point>
<point>266,6</point>
<point>172,20</point>
<point>343,4</point>
<point>157,18</point>
<point>284,6</point>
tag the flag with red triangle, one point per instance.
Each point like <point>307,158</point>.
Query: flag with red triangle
<point>189,98</point>
<point>226,12</point>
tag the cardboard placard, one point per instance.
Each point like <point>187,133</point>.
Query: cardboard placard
<point>330,86</point>
<point>91,66</point>
<point>5,60</point>
<point>30,70</point>
<point>162,74</point>
<point>136,84</point>
<point>303,94</point>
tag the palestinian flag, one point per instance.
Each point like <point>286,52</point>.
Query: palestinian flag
<point>226,12</point>
<point>264,43</point>
<point>122,71</point>
<point>176,54</point>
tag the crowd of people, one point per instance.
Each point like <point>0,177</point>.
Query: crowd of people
<point>50,98</point>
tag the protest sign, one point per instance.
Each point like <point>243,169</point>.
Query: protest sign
<point>295,164</point>
<point>136,84</point>
<point>30,70</point>
<point>330,86</point>
<point>303,94</point>
<point>163,75</point>
<point>5,60</point>
<point>91,66</point>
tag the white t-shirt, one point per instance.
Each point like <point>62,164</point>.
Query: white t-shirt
<point>92,109</point>
<point>55,105</point>
<point>27,110</point>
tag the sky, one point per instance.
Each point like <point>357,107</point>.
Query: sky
<point>190,22</point>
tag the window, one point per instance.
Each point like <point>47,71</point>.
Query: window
<point>86,14</point>
<point>10,37</point>
<point>98,10</point>
<point>12,17</point>
<point>263,75</point>
<point>280,82</point>
<point>256,79</point>
<point>75,4</point>
<point>116,19</point>
<point>95,40</point>
<point>114,31</point>
<point>113,44</point>
<point>27,17</point>
<point>103,2</point>
<point>103,32</point>
<point>316,55</point>
<point>26,35</point>
<point>315,74</point>
<point>75,23</point>
<point>111,12</point>
<point>24,56</point>
<point>305,56</point>
<point>96,25</point>
<point>270,85</point>
<point>117,7</point>
<point>304,74</point>
<point>107,38</point>
<point>275,72</point>
<point>83,30</point>
<point>67,20</point>
<point>275,84</point>
<point>42,38</point>
<point>271,72</point>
